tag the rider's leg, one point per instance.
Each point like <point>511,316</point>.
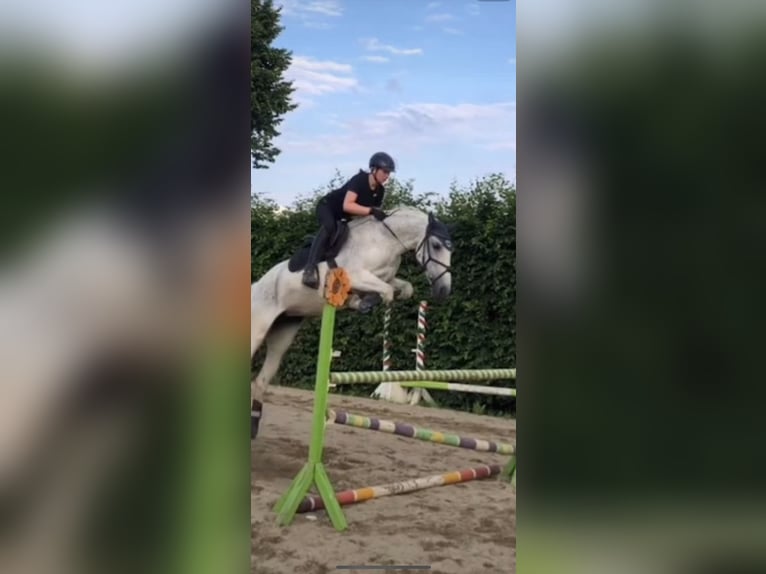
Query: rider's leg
<point>278,341</point>
<point>310,273</point>
<point>327,228</point>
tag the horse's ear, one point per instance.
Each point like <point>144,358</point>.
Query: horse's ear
<point>431,218</point>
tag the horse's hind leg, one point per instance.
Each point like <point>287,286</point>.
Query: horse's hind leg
<point>278,340</point>
<point>260,325</point>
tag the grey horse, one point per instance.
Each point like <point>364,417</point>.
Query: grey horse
<point>371,255</point>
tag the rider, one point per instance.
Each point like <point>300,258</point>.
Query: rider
<point>360,195</point>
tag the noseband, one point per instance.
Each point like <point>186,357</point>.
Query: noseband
<point>434,230</point>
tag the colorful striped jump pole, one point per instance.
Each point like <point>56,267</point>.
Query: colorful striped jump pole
<point>409,431</point>
<point>355,377</point>
<point>312,502</point>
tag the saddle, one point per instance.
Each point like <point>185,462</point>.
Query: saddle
<point>332,248</point>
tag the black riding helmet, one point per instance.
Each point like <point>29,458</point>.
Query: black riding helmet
<point>381,160</point>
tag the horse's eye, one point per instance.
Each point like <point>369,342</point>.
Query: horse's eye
<point>436,245</point>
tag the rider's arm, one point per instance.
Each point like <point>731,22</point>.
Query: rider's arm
<point>352,207</point>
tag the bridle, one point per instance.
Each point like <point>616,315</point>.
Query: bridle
<point>433,229</point>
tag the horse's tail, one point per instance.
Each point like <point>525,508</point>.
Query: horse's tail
<point>258,291</point>
<point>264,299</point>
<point>266,306</point>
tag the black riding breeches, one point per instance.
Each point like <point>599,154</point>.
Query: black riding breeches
<point>326,217</point>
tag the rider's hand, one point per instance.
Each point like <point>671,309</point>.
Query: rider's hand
<point>378,213</point>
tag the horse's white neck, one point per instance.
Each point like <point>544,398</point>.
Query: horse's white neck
<point>409,230</point>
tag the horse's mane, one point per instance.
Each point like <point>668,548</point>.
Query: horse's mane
<point>398,209</point>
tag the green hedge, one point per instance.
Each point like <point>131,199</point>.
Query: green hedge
<point>475,328</point>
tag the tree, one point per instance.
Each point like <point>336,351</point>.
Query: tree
<point>269,91</point>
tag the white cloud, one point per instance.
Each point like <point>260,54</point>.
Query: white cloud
<point>313,65</point>
<point>304,7</point>
<point>313,13</point>
<point>317,77</point>
<point>472,9</point>
<point>376,59</point>
<point>441,17</point>
<point>326,7</point>
<point>432,5</point>
<point>490,127</point>
<point>428,118</point>
<point>374,45</point>
<point>455,31</point>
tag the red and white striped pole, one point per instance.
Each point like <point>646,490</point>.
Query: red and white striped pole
<point>420,351</point>
<point>420,354</point>
<point>386,340</point>
<point>389,391</point>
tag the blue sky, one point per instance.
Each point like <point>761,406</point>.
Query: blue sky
<point>432,83</point>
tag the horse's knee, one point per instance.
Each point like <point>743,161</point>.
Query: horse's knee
<point>405,291</point>
<point>257,335</point>
<point>388,294</point>
<point>257,389</point>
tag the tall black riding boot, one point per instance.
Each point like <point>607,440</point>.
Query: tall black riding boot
<point>310,273</point>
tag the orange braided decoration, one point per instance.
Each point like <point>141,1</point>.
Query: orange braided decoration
<point>337,287</point>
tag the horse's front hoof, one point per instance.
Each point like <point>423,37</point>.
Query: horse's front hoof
<point>369,302</point>
<point>255,418</point>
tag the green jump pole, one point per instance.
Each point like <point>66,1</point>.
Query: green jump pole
<point>509,472</point>
<point>314,473</point>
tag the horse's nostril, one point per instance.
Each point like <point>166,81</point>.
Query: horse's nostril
<point>441,292</point>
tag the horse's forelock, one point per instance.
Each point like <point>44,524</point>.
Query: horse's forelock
<point>440,229</point>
